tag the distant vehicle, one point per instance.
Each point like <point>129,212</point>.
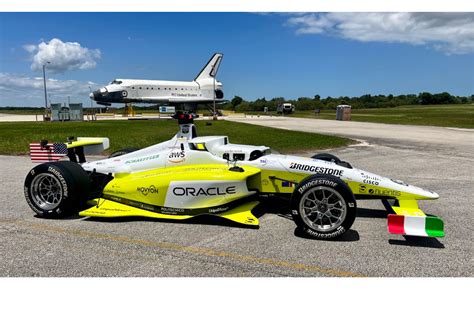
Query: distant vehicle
<point>204,89</point>
<point>285,108</point>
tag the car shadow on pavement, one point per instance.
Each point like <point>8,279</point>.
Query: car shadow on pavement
<point>198,220</point>
<point>418,241</point>
<point>371,213</point>
<point>69,217</point>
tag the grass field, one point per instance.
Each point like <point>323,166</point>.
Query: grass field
<point>15,137</point>
<point>461,116</point>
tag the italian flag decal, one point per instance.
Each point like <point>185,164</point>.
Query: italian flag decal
<point>415,225</point>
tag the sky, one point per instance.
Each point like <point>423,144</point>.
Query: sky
<point>265,55</point>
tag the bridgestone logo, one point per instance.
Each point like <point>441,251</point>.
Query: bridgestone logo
<point>316,169</point>
<point>317,182</point>
<point>339,231</point>
<point>61,179</point>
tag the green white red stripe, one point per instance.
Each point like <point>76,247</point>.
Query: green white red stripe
<point>415,225</point>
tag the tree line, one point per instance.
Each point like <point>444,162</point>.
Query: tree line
<point>364,101</point>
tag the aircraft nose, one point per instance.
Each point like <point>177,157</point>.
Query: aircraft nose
<point>97,94</point>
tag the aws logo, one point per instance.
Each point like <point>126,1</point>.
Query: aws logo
<point>176,156</point>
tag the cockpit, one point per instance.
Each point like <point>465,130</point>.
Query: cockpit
<point>116,82</point>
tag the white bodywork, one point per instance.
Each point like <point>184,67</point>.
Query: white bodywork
<point>182,149</point>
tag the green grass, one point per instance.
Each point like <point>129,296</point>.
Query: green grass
<point>461,116</point>
<point>15,136</point>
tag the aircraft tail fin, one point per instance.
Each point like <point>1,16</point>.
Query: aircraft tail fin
<point>210,69</point>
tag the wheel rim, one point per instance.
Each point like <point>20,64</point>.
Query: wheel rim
<point>46,191</point>
<point>323,209</point>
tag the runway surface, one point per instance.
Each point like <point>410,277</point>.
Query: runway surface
<point>15,118</point>
<point>439,159</point>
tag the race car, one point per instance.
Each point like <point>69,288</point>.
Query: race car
<point>189,176</point>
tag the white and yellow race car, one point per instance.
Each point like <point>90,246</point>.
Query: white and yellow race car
<point>188,176</point>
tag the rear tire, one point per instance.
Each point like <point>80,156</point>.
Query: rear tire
<point>122,152</point>
<point>323,207</point>
<point>56,189</point>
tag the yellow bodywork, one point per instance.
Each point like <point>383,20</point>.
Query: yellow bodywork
<point>84,142</point>
<point>408,208</point>
<point>107,208</point>
<point>144,194</point>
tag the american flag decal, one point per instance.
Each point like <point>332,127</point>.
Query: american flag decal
<point>286,184</point>
<point>48,153</point>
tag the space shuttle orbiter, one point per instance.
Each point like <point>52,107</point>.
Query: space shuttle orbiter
<point>204,89</point>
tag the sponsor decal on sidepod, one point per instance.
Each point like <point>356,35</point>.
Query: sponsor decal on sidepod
<point>148,190</point>
<point>176,156</point>
<point>315,169</point>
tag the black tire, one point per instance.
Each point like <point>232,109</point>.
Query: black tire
<point>326,157</point>
<point>320,187</point>
<point>65,189</point>
<point>331,158</point>
<point>122,152</point>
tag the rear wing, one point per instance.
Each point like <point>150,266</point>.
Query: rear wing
<point>92,145</point>
<point>75,150</point>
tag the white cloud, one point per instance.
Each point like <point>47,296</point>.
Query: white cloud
<point>30,48</point>
<point>452,33</point>
<point>62,56</point>
<point>18,87</point>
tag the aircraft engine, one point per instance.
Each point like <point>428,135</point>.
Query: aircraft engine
<point>219,94</point>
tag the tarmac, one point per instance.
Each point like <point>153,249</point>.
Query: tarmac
<point>439,159</point>
<point>15,118</point>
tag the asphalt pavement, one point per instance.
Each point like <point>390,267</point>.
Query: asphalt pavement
<point>438,159</point>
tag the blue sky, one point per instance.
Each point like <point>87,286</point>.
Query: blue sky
<point>265,55</point>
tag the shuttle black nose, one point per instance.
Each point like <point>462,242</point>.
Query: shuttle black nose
<point>95,95</point>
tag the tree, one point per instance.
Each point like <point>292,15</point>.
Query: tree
<point>237,100</point>
<point>443,98</point>
<point>425,98</point>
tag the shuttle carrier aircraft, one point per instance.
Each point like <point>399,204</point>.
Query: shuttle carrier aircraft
<point>204,89</point>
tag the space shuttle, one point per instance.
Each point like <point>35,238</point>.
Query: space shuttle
<point>204,89</point>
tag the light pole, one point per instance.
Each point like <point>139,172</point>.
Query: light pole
<point>44,83</point>
<point>91,93</point>
<point>214,117</point>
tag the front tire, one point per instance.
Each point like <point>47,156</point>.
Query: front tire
<point>56,189</point>
<point>323,207</point>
